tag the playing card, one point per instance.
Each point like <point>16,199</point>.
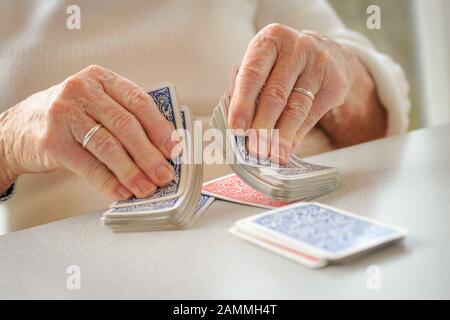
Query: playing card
<point>296,168</point>
<point>204,202</point>
<point>232,188</point>
<point>166,212</point>
<point>296,181</point>
<point>320,231</point>
<point>297,256</point>
<point>165,98</point>
<point>237,144</point>
<point>135,210</point>
<point>152,210</point>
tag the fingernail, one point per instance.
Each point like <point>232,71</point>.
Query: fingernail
<point>164,174</point>
<point>146,187</point>
<point>124,193</point>
<point>240,123</point>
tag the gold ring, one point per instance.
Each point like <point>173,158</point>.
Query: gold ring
<point>90,134</point>
<point>305,92</point>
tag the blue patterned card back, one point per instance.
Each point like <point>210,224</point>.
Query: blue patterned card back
<point>163,99</point>
<point>162,205</point>
<point>322,227</point>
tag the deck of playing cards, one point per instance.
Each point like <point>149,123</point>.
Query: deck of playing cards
<point>180,203</point>
<point>297,180</point>
<point>315,235</point>
<point>176,205</point>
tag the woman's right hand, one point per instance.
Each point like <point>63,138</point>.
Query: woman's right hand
<point>127,156</point>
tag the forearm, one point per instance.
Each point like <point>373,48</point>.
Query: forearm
<point>7,171</point>
<point>361,118</point>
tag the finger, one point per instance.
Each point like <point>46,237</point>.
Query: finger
<point>80,161</point>
<point>140,104</point>
<point>294,114</point>
<point>256,66</point>
<point>109,151</point>
<point>273,99</point>
<point>276,91</point>
<point>127,129</point>
<point>317,111</point>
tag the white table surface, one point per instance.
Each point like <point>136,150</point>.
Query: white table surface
<point>403,180</point>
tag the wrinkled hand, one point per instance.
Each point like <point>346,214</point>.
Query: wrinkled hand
<point>277,60</point>
<point>126,157</point>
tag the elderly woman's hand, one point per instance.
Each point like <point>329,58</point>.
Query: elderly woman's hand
<point>126,156</point>
<point>280,59</point>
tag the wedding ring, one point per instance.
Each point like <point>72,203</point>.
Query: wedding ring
<point>305,92</point>
<point>90,134</point>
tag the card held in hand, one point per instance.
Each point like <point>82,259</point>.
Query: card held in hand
<point>175,205</point>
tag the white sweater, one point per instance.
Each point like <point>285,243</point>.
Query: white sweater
<point>192,43</point>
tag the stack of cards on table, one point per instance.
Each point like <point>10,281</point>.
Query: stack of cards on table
<point>178,204</point>
<point>232,188</point>
<point>297,180</point>
<point>315,235</point>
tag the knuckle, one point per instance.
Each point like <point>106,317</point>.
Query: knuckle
<point>136,96</point>
<point>150,158</point>
<point>72,87</point>
<point>297,111</point>
<point>164,131</point>
<point>107,146</point>
<point>252,72</point>
<point>123,121</point>
<point>58,109</point>
<point>323,58</point>
<point>276,92</point>
<point>305,41</point>
<point>274,29</point>
<point>94,69</point>
<point>264,41</point>
<point>73,84</point>
<point>130,173</point>
<point>159,130</point>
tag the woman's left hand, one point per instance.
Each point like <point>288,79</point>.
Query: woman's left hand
<point>280,59</point>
